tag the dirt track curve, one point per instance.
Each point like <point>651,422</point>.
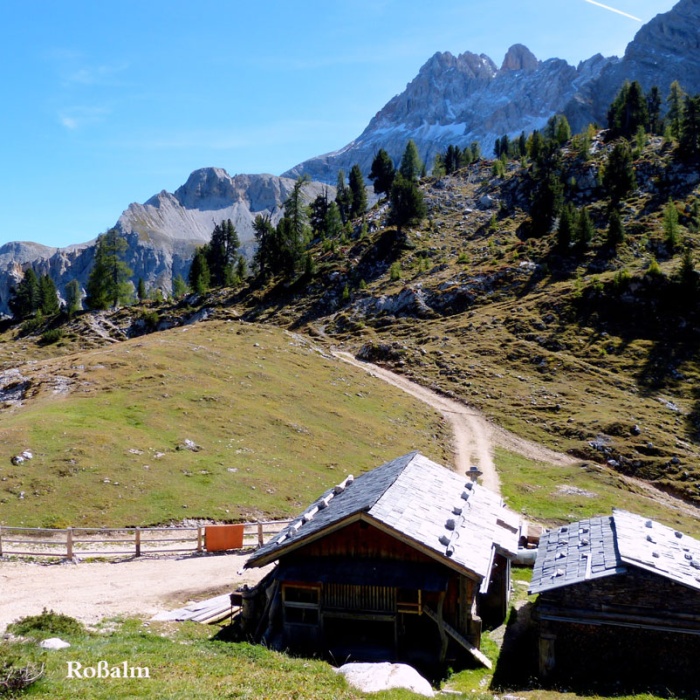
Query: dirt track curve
<point>473,436</point>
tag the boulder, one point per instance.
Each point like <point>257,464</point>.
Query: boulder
<point>372,678</point>
<point>53,643</point>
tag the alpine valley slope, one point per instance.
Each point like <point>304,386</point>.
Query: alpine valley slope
<point>462,99</point>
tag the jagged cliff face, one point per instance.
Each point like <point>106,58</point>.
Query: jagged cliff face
<point>665,49</point>
<point>163,233</point>
<point>461,99</point>
<point>457,100</point>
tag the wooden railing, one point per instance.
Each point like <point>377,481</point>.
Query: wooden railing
<point>83,542</point>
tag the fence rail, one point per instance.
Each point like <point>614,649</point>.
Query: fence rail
<point>83,542</point>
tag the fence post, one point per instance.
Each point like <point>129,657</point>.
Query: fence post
<point>199,538</point>
<point>261,537</point>
<point>137,541</point>
<point>69,543</point>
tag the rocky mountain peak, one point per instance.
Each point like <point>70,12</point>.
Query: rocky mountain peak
<point>519,57</point>
<point>672,34</point>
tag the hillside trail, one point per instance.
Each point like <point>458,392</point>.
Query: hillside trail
<point>474,438</point>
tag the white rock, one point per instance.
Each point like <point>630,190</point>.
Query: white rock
<point>53,643</point>
<point>371,678</point>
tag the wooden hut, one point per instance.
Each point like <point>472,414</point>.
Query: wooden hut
<point>400,563</point>
<point>619,600</point>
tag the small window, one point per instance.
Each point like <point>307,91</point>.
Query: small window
<point>293,594</point>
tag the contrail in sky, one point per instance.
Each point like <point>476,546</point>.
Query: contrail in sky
<point>612,9</point>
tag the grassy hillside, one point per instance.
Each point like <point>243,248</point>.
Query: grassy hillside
<point>590,349</point>
<point>277,423</point>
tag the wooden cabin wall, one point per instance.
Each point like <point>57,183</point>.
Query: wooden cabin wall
<point>597,648</point>
<point>360,540</point>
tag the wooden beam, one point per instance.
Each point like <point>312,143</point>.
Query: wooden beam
<point>459,638</point>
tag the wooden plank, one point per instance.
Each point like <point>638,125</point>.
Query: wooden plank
<point>458,637</point>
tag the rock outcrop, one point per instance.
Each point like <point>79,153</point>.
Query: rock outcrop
<point>162,233</point>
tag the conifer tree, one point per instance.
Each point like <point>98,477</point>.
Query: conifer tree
<point>584,229</point>
<point>674,115</point>
<point>141,292</point>
<point>359,194</point>
<point>382,172</point>
<point>73,298</point>
<point>616,229</point>
<point>221,253</point>
<point>654,111</point>
<point>264,258</point>
<point>407,204</point>
<point>180,287</point>
<point>25,298</point>
<point>670,224</point>
<point>343,197</point>
<point>317,214</point>
<point>565,230</point>
<point>619,178</point>
<point>200,276</point>
<point>48,296</point>
<point>690,131</point>
<point>108,283</point>
<point>411,164</point>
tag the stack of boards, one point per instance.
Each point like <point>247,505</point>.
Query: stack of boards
<point>207,611</point>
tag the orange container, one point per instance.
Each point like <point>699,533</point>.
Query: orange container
<point>219,538</point>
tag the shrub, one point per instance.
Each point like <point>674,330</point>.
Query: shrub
<point>395,272</point>
<point>150,318</point>
<point>53,335</point>
<point>47,624</point>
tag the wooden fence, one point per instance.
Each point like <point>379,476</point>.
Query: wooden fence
<point>82,542</point>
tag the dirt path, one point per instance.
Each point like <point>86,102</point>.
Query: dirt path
<point>474,437</point>
<point>93,591</point>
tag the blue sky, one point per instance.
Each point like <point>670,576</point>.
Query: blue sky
<point>107,103</point>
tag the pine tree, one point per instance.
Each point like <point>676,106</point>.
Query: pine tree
<point>453,159</point>
<point>616,229</point>
<point>547,201</point>
<point>180,287</point>
<point>654,110</point>
<point>674,115</point>
<point>25,298</point>
<point>382,172</point>
<point>411,164</point>
<point>407,204</point>
<point>141,292</point>
<point>318,212</point>
<point>265,254</point>
<point>333,223</point>
<point>670,224</point>
<point>222,252</point>
<point>48,296</point>
<point>108,283</point>
<point>200,277</point>
<point>690,133</point>
<point>565,230</point>
<point>619,178</point>
<point>343,197</point>
<point>359,193</point>
<point>584,229</point>
<point>73,298</point>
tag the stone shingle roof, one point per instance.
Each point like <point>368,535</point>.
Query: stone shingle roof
<point>608,545</point>
<point>424,502</point>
